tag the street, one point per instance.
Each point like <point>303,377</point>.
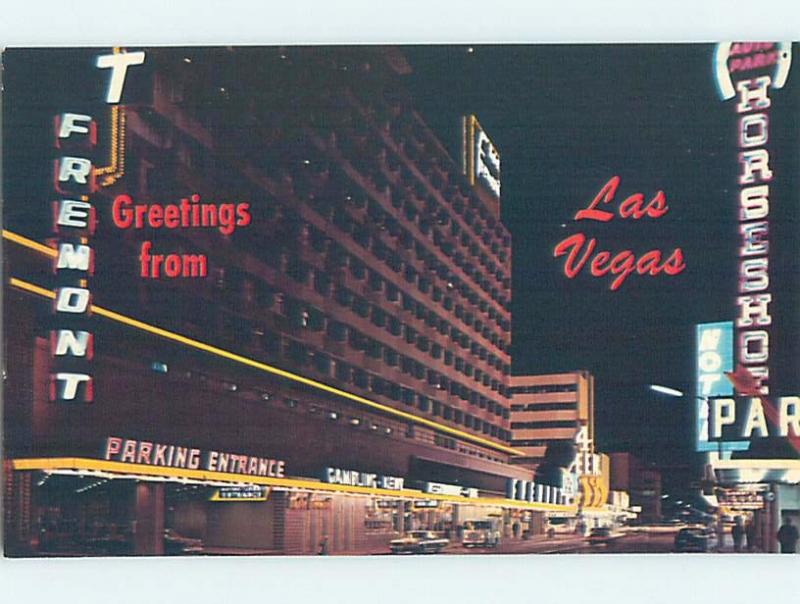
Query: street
<point>645,541</point>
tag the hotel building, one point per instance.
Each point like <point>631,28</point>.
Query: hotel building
<point>358,324</point>
<point>548,409</point>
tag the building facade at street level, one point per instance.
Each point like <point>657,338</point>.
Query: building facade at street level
<point>549,409</point>
<point>299,333</point>
<point>643,484</point>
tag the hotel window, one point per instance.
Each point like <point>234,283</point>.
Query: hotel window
<point>271,343</point>
<point>357,269</point>
<point>378,317</point>
<point>337,331</point>
<point>265,296</point>
<point>322,363</point>
<point>343,371</point>
<point>360,306</point>
<point>344,296</point>
<point>424,403</point>
<point>322,283</point>
<point>297,352</point>
<point>315,319</point>
<point>375,281</point>
<point>360,378</point>
<point>374,349</point>
<point>391,356</point>
<point>392,293</point>
<point>395,326</point>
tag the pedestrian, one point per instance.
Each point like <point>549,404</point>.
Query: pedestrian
<point>738,534</point>
<point>750,535</point>
<point>323,546</point>
<point>787,536</point>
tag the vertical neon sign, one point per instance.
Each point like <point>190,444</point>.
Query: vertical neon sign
<point>74,222</point>
<point>747,73</point>
<point>714,357</point>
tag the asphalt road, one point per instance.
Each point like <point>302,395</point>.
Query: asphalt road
<point>642,542</point>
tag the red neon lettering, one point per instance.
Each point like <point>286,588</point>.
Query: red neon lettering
<point>605,195</point>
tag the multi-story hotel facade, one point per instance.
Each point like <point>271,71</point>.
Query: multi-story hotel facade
<point>300,310</point>
<point>550,409</point>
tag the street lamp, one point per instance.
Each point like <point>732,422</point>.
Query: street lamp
<point>666,390</point>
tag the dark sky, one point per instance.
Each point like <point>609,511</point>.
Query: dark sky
<point>565,119</point>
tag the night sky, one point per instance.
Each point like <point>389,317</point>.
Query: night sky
<point>565,119</point>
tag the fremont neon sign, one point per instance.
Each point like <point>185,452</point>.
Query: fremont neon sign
<point>74,222</point>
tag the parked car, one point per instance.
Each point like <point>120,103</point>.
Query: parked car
<point>696,539</point>
<point>481,533</point>
<point>419,542</point>
<point>175,543</point>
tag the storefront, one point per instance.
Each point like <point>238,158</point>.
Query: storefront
<point>82,506</point>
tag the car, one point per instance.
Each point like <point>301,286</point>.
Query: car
<point>602,535</point>
<point>481,533</point>
<point>175,543</point>
<point>696,539</point>
<point>419,542</point>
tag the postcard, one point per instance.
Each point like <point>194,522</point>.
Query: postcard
<point>376,300</point>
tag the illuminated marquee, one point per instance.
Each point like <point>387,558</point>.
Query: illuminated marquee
<point>355,478</point>
<point>480,157</point>
<point>449,489</point>
<point>144,452</point>
<point>714,358</point>
<point>74,222</point>
<point>747,418</point>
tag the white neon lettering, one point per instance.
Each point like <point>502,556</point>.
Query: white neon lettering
<point>75,168</point>
<point>119,64</point>
<point>754,239</point>
<point>70,383</point>
<point>74,257</point>
<point>72,300</point>
<point>73,343</point>
<point>753,94</point>
<point>754,203</point>
<point>724,413</point>
<point>754,346</point>
<point>754,275</point>
<point>753,130</point>
<point>755,420</point>
<point>70,123</point>
<point>789,419</point>
<point>72,213</point>
<point>754,306</point>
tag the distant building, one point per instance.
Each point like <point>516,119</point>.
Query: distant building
<point>629,473</point>
<point>546,409</point>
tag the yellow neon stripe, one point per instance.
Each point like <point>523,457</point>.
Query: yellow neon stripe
<point>29,243</point>
<point>169,335</point>
<point>30,287</point>
<point>118,467</point>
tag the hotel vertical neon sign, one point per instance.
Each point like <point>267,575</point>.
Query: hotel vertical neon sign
<point>748,73</point>
<point>74,222</point>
